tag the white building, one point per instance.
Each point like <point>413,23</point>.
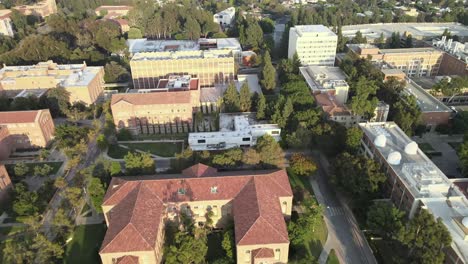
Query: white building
<point>414,181</point>
<point>5,23</point>
<point>235,130</point>
<point>314,44</point>
<point>323,79</point>
<point>225,17</point>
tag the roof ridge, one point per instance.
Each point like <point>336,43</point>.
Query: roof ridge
<point>258,207</point>
<point>287,238</point>
<point>276,182</point>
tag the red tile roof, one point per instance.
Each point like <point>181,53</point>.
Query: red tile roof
<point>127,260</point>
<point>330,106</point>
<point>122,7</point>
<point>14,117</point>
<point>173,97</point>
<point>263,253</point>
<point>139,204</point>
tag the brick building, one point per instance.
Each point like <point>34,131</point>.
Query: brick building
<point>25,130</point>
<point>167,108</point>
<point>415,182</point>
<point>137,209</point>
<point>85,84</point>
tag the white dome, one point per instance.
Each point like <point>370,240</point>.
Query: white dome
<point>394,158</point>
<point>411,148</point>
<point>380,141</point>
<point>465,221</point>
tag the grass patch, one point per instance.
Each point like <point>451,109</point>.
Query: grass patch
<point>332,258</point>
<point>85,245</point>
<point>455,145</point>
<point>117,152</point>
<point>163,149</point>
<point>301,182</point>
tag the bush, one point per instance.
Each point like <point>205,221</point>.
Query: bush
<point>124,135</point>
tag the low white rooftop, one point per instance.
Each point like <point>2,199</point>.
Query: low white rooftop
<point>313,30</point>
<point>180,55</point>
<point>146,45</point>
<point>323,78</point>
<point>426,102</point>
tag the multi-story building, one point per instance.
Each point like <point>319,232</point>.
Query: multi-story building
<point>6,27</point>
<point>6,146</point>
<point>414,182</point>
<point>84,83</point>
<point>43,9</point>
<point>455,60</point>
<point>26,129</point>
<point>225,18</point>
<point>235,130</point>
<point>414,62</point>
<point>330,80</point>
<point>209,66</point>
<point>167,108</point>
<point>314,44</point>
<point>137,209</point>
<point>5,183</point>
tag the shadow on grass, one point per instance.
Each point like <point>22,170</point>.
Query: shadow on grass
<point>84,248</point>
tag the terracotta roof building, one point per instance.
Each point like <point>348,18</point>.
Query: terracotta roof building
<point>137,208</point>
<point>165,109</point>
<point>5,183</point>
<point>43,8</point>
<point>6,27</point>
<point>25,130</point>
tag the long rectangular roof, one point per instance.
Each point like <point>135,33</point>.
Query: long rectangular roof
<point>14,117</point>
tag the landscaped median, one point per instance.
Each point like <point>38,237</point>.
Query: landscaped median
<point>162,149</point>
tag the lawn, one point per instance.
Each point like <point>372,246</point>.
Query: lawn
<point>332,258</point>
<point>85,245</point>
<point>297,181</point>
<point>117,152</point>
<point>163,149</point>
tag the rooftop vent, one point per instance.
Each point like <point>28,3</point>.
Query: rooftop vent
<point>380,141</point>
<point>394,158</point>
<point>411,148</point>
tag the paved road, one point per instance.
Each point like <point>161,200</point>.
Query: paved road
<point>344,234</point>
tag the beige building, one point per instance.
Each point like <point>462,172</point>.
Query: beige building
<point>6,28</point>
<point>137,209</point>
<point>5,143</point>
<point>84,83</point>
<point>414,62</point>
<point>113,11</point>
<point>26,129</point>
<point>5,183</point>
<point>209,66</point>
<point>43,9</point>
<point>168,108</point>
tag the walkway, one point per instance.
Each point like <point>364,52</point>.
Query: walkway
<point>344,235</point>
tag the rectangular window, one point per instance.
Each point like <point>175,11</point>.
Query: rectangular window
<point>201,141</point>
<point>275,132</point>
<point>214,189</point>
<point>181,191</point>
<point>246,139</point>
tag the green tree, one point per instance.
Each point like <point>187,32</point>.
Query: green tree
<point>302,165</point>
<point>353,139</point>
<point>62,222</point>
<point>231,99</point>
<point>58,101</point>
<point>268,80</point>
<point>43,171</point>
<point>69,136</point>
<point>101,141</point>
<point>363,102</point>
<point>192,27</point>
<point>46,251</point>
<point>228,158</point>
<point>96,191</point>
<point>139,163</point>
<point>115,168</point>
<point>425,238</point>
<point>228,244</point>
<point>357,175</point>
<point>245,101</point>
<point>267,25</point>
<point>409,41</point>
<point>407,114</point>
<point>24,202</point>
<point>250,157</point>
<point>261,106</point>
<point>18,250</point>
<point>271,154</point>
<point>21,169</point>
<point>385,219</point>
<point>134,33</point>
<point>187,249</point>
<point>114,72</point>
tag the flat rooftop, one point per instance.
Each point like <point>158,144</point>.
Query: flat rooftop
<point>146,45</point>
<point>306,30</point>
<point>323,78</point>
<point>426,102</point>
<point>417,30</point>
<point>410,50</point>
<point>181,55</point>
